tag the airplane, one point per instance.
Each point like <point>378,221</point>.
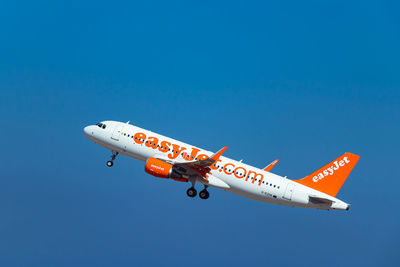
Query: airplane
<point>167,158</point>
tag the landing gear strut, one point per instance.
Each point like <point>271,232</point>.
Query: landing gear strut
<point>110,163</point>
<point>204,193</point>
<point>191,192</point>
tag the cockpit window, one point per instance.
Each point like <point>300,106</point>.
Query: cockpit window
<point>101,125</point>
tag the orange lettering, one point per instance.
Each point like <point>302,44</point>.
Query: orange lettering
<point>255,176</point>
<point>192,154</point>
<point>164,146</point>
<point>214,167</point>
<point>261,179</point>
<point>176,152</point>
<point>225,168</point>
<point>152,142</point>
<point>202,157</point>
<point>139,138</point>
<point>236,170</point>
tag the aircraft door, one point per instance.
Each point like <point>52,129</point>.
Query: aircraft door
<point>289,191</point>
<point>117,132</point>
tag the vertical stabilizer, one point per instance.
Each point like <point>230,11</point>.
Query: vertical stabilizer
<point>330,178</point>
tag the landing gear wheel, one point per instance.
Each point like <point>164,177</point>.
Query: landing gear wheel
<point>204,194</point>
<point>110,163</point>
<point>191,192</point>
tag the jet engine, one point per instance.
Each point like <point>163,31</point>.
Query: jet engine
<point>162,169</point>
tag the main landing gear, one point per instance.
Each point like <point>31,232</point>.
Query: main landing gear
<point>110,163</point>
<point>191,192</point>
<point>204,193</point>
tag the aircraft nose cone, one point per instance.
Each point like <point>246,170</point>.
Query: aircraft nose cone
<point>86,131</point>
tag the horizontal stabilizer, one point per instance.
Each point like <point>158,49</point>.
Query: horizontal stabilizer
<point>271,165</point>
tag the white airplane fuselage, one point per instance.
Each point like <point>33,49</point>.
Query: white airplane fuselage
<point>227,174</point>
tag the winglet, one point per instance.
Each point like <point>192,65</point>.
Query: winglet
<point>271,165</point>
<point>216,156</point>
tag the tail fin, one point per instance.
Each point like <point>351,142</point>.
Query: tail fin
<point>330,178</point>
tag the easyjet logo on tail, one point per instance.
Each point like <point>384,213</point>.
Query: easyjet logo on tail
<point>331,170</point>
<point>338,170</point>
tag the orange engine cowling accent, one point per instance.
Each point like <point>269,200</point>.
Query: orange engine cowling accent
<point>162,169</point>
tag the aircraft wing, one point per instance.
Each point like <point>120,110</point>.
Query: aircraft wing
<point>202,167</point>
<point>200,170</point>
<point>201,163</point>
<point>205,162</point>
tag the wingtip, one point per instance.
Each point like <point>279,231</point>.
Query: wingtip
<point>219,153</point>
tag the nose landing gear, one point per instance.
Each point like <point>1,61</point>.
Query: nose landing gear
<point>110,163</point>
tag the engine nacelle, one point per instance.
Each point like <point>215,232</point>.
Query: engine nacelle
<point>162,169</point>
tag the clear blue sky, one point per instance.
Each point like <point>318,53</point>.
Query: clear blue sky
<point>302,82</point>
